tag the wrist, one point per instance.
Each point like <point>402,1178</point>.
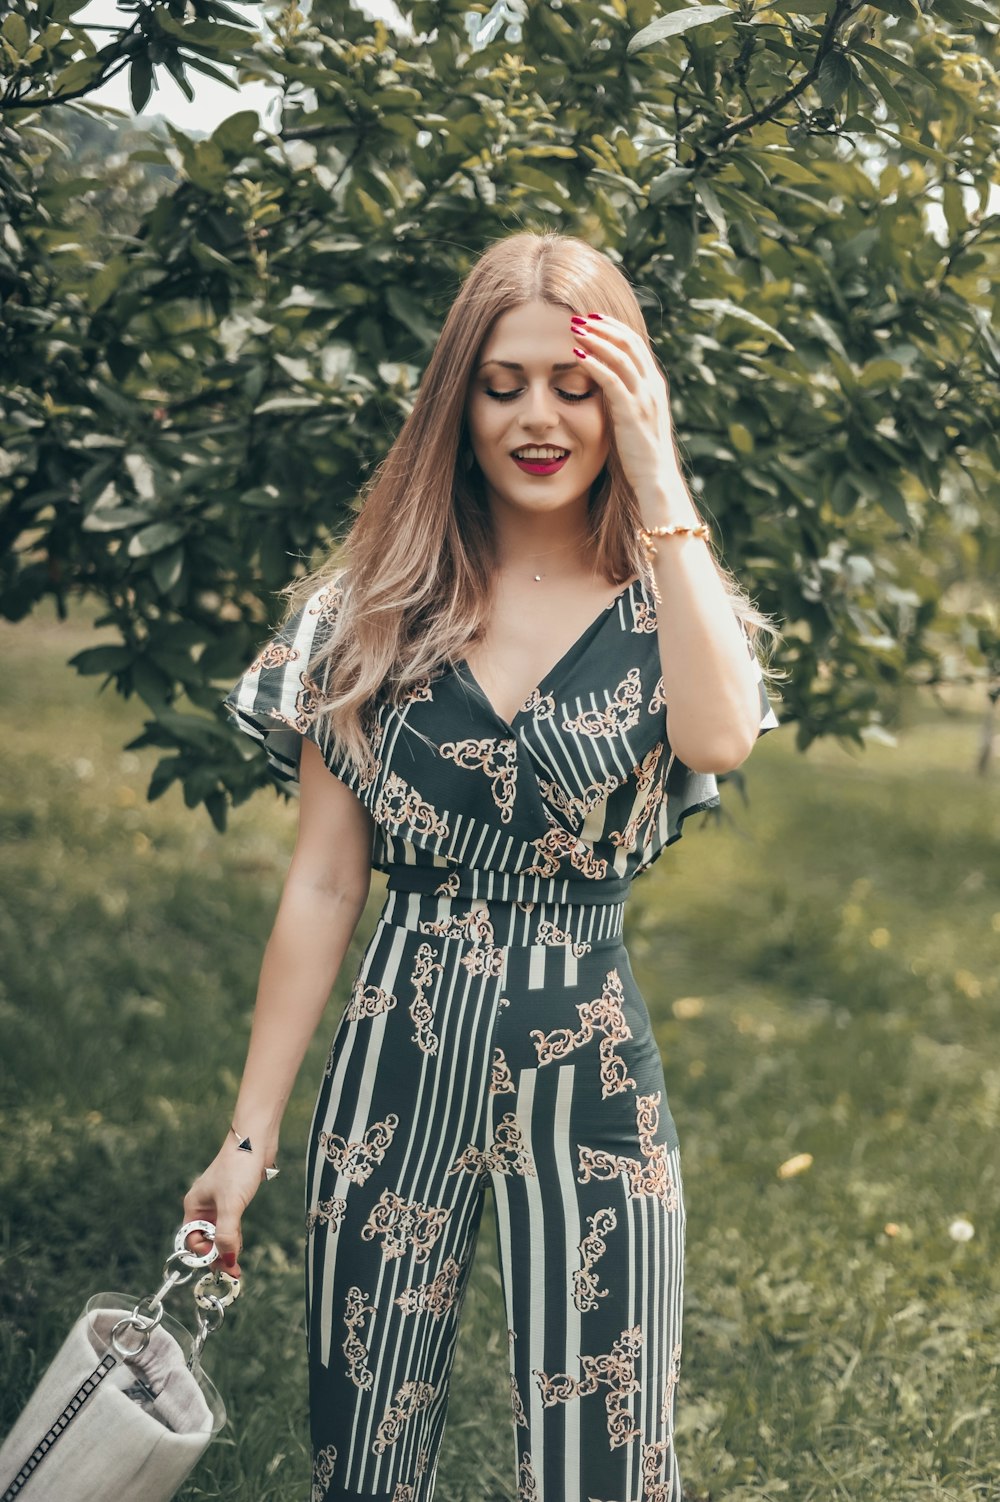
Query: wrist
<point>667,500</point>
<point>260,1153</point>
<point>261,1132</point>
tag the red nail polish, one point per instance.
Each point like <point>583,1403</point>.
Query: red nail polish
<point>577,319</point>
<point>579,352</point>
<point>595,315</point>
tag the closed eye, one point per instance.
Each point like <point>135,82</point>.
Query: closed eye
<point>508,396</point>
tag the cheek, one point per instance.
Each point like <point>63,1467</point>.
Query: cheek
<point>483,420</point>
<point>598,424</point>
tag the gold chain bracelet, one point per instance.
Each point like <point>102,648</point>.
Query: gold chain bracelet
<point>646,534</point>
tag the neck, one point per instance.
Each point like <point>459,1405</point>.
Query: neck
<point>557,542</point>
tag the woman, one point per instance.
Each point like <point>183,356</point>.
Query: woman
<point>488,678</point>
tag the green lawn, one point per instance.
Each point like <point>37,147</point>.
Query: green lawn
<point>821,969</point>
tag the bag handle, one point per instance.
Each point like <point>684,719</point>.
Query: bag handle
<point>213,1294</point>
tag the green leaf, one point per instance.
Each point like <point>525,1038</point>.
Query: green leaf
<point>567,153</point>
<point>288,404</point>
<point>235,135</point>
<point>893,99</point>
<point>140,82</point>
<point>835,74</point>
<point>893,504</point>
<point>892,63</point>
<point>211,71</point>
<point>206,166</point>
<point>113,518</point>
<point>107,281</point>
<point>780,164</point>
<point>102,659</point>
<point>168,568</point>
<point>974,12</point>
<point>953,204</point>
<point>713,207</point>
<point>409,311</point>
<point>16,33</point>
<point>205,36</point>
<point>881,373</point>
<point>912,144</point>
<point>154,538</point>
<point>676,23</point>
<point>79,73</point>
<point>542,182</point>
<point>726,309</point>
<point>666,184</point>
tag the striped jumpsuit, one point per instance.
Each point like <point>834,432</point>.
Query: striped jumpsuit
<point>495,1037</point>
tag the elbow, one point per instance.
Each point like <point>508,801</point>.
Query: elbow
<point>346,890</point>
<point>716,757</point>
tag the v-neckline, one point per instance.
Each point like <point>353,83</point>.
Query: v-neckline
<point>591,628</point>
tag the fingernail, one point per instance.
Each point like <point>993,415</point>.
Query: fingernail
<point>577,319</point>
<point>595,315</point>
<point>579,352</point>
<point>229,1258</point>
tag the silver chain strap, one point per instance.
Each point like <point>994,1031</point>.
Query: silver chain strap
<point>213,1294</point>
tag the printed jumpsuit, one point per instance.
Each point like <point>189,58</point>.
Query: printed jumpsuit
<point>495,1037</point>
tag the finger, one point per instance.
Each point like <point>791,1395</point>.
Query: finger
<point>602,344</point>
<point>197,1242</point>
<point>612,331</point>
<point>595,363</point>
<point>228,1240</point>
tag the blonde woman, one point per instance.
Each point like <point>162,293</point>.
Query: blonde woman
<point>506,691</point>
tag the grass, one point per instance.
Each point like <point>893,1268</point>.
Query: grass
<point>821,972</point>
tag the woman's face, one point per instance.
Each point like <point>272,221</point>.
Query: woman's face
<point>530,392</point>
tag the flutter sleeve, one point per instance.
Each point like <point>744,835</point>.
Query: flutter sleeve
<point>275,700</point>
<point>768,719</point>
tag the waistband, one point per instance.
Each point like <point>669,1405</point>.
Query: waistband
<point>467,882</point>
<point>491,925</point>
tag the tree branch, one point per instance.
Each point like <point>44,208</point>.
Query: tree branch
<point>841,13</point>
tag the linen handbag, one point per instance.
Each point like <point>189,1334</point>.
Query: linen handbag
<point>124,1411</point>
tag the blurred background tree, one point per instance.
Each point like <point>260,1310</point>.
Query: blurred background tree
<point>208,343</point>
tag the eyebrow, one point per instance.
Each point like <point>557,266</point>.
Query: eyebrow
<point>513,365</point>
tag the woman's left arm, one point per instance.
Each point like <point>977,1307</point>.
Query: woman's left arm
<point>709,682</point>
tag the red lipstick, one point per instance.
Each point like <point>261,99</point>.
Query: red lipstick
<point>540,466</point>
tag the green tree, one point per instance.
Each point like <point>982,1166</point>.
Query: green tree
<point>800,195</point>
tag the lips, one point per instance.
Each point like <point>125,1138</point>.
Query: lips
<point>540,466</point>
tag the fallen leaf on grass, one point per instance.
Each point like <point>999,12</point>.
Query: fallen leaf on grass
<point>795,1165</point>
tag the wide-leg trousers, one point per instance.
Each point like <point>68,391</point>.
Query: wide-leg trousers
<point>500,1045</point>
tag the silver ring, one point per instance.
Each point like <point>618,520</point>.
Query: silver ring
<point>216,1289</point>
<point>193,1259</point>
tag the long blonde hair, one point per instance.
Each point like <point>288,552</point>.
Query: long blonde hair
<point>415,572</point>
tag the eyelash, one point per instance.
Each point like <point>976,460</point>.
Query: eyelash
<point>508,396</point>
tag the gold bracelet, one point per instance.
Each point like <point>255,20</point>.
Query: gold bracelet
<point>646,535</point>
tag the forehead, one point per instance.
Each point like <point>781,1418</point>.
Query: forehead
<point>530,331</point>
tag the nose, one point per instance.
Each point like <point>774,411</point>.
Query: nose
<point>540,407</point>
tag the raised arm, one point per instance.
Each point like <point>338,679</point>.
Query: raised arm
<point>323,897</point>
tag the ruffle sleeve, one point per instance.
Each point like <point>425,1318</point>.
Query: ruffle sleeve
<point>768,719</point>
<point>275,700</point>
<point>688,792</point>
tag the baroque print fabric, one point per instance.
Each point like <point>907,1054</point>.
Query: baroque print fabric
<point>495,1038</point>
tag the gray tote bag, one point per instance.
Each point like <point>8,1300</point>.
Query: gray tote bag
<point>124,1411</point>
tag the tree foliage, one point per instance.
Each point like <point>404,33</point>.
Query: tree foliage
<point>198,384</point>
